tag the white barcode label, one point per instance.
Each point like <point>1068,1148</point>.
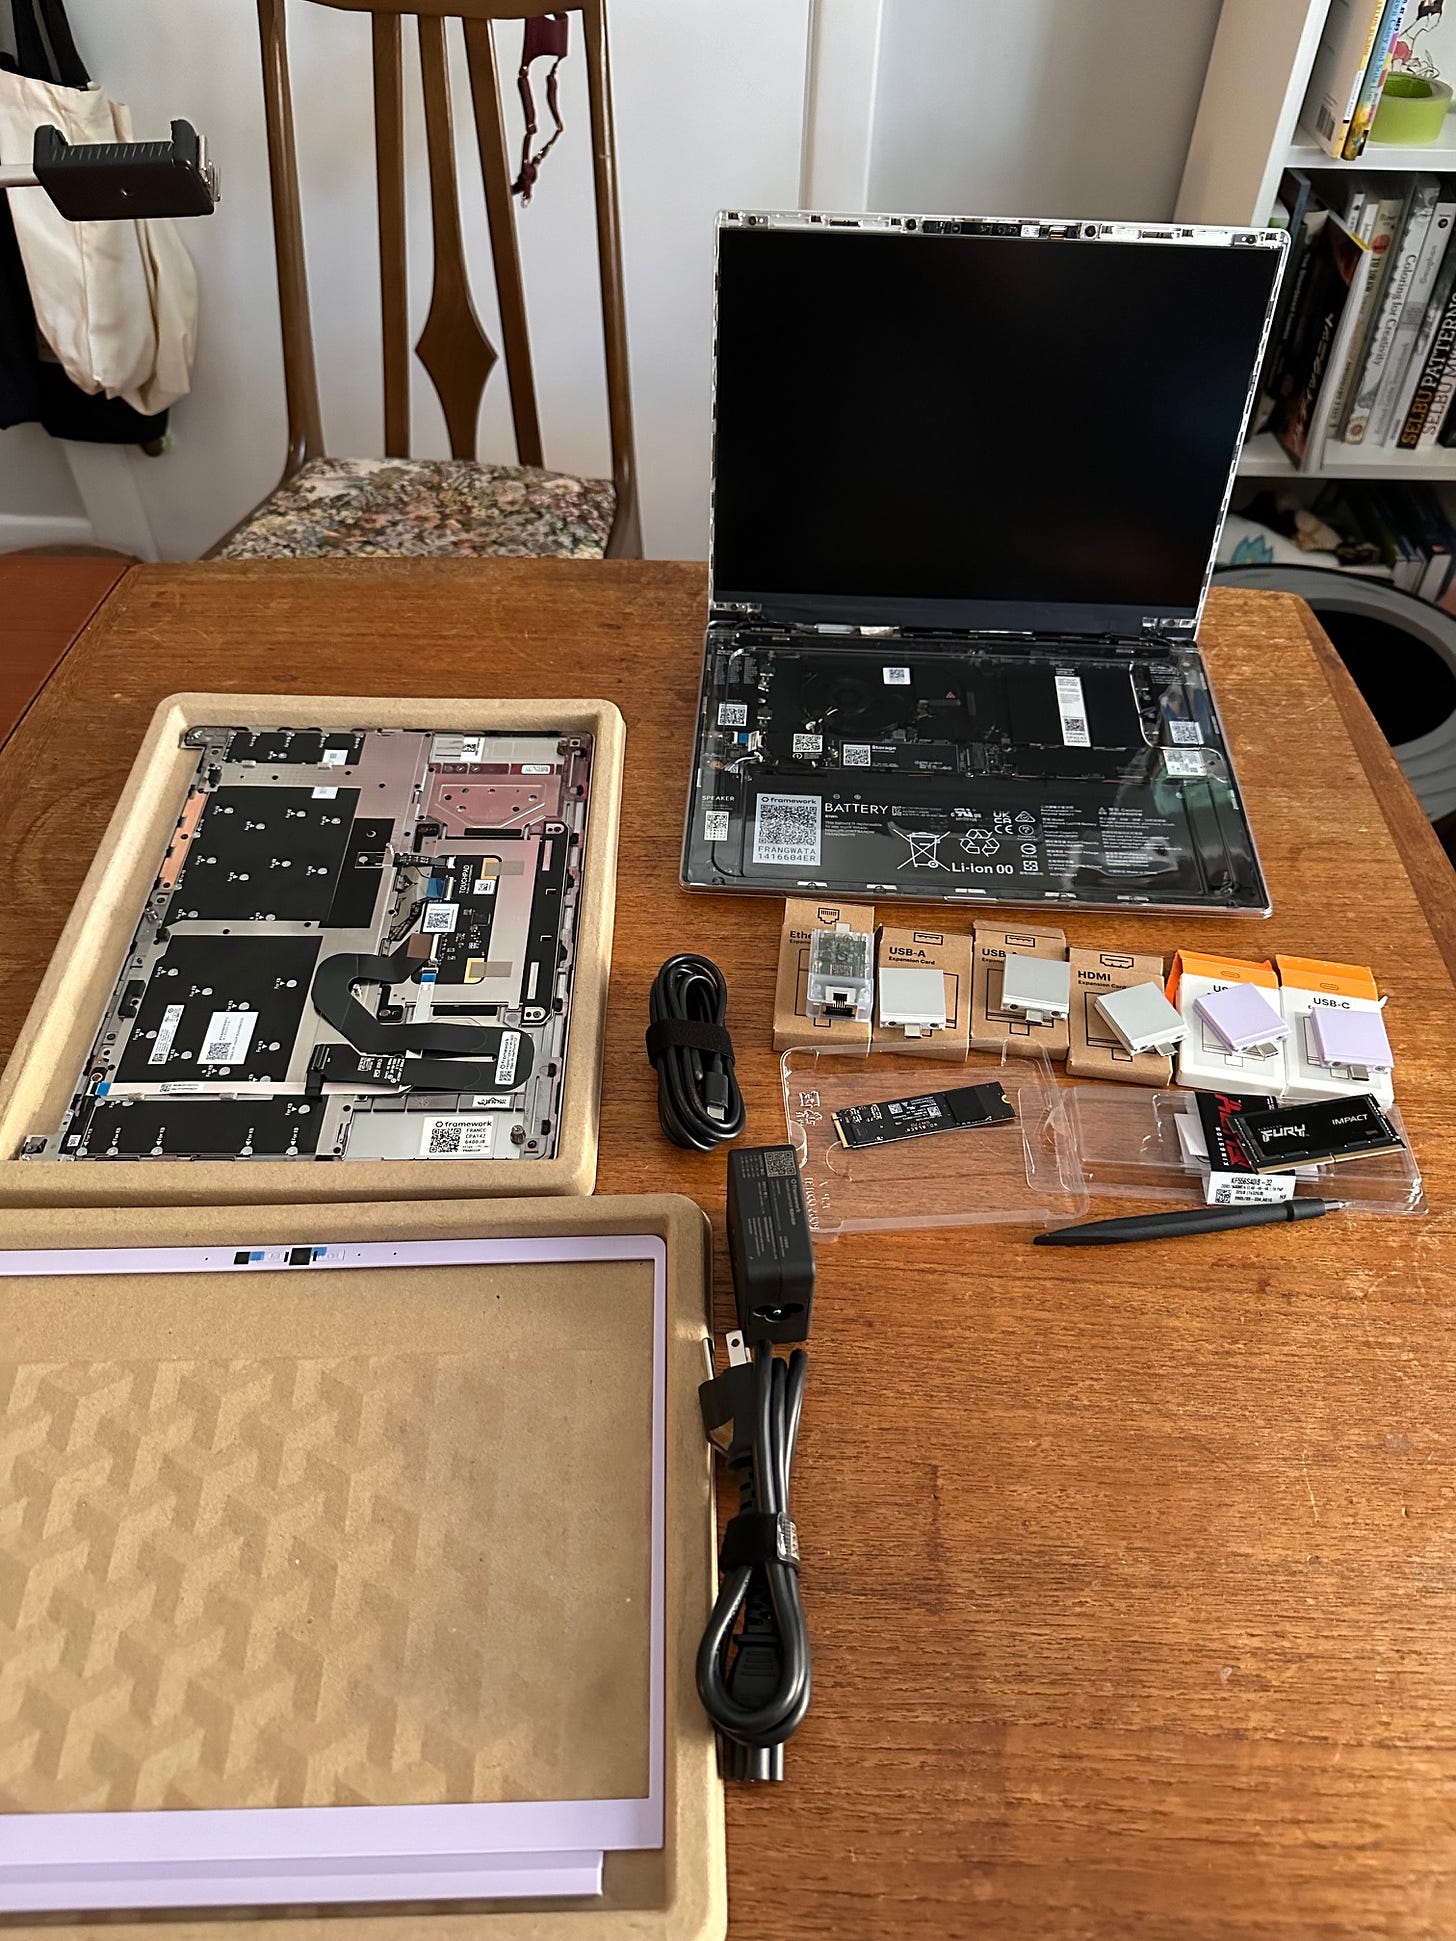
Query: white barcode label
<point>788,829</point>
<point>897,677</point>
<point>535,768</point>
<point>808,745</point>
<point>1248,1189</point>
<point>715,825</point>
<point>1185,761</point>
<point>228,1035</point>
<point>457,748</point>
<point>173,1086</point>
<point>1073,710</point>
<point>855,754</point>
<point>440,919</point>
<point>508,1057</point>
<point>1186,734</point>
<point>491,1101</point>
<point>1325,121</point>
<point>324,795</point>
<point>485,886</point>
<point>732,714</point>
<point>335,757</point>
<point>456,1136</point>
<point>166,1032</point>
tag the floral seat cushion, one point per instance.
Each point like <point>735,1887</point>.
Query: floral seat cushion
<point>417,508</point>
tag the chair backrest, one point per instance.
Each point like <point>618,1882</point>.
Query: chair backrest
<point>452,346</point>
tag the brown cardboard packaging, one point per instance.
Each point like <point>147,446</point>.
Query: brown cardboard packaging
<point>792,1024</point>
<point>993,1029</point>
<point>939,950</point>
<point>282,1511</point>
<point>1095,1050</point>
<point>71,1001</point>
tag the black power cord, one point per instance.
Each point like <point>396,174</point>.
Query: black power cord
<point>754,1681</point>
<point>698,1100</point>
<point>753,1663</point>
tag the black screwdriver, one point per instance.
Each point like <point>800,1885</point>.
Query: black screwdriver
<point>1195,1219</point>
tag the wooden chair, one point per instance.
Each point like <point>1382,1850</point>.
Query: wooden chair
<point>326,506</point>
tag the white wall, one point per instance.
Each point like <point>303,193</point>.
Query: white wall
<point>709,110</point>
<point>1038,107</point>
<point>1045,106</point>
<point>34,480</point>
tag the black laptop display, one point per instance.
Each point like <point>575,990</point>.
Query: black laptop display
<point>968,483</point>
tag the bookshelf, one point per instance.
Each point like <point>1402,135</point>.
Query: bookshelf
<point>1379,157</point>
<point>1246,134</point>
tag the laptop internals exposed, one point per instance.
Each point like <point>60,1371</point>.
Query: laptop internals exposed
<point>968,481</point>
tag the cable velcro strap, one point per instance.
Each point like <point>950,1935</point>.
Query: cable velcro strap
<point>699,1101</point>
<point>757,1537</point>
<point>696,1034</point>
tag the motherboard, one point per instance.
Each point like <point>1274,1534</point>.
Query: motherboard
<point>936,769</point>
<point>359,944</point>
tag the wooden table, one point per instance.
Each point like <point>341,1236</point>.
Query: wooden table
<point>1132,1583</point>
<point>45,601</point>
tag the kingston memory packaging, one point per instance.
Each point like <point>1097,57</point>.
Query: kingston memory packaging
<point>912,1118</point>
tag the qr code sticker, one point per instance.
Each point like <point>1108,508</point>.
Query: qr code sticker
<point>855,754</point>
<point>732,714</point>
<point>1187,734</point>
<point>715,825</point>
<point>778,1164</point>
<point>1185,761</point>
<point>228,1036</point>
<point>897,677</point>
<point>457,1137</point>
<point>789,829</point>
<point>808,745</point>
<point>1072,707</point>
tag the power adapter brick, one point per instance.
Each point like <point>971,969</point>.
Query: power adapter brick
<point>769,1245</point>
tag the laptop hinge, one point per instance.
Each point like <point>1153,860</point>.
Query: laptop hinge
<point>1153,633</point>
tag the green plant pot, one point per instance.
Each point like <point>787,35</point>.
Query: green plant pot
<point>1412,111</point>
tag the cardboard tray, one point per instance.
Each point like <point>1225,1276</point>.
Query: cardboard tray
<point>173,1442</point>
<point>63,1021</point>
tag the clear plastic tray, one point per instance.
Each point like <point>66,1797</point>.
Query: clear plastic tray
<point>1127,1144</point>
<point>1024,1172</point>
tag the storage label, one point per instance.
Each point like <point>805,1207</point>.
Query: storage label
<point>1073,709</point>
<point>166,1032</point>
<point>228,1036</point>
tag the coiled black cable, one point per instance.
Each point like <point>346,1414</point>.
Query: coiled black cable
<point>754,1681</point>
<point>698,1100</point>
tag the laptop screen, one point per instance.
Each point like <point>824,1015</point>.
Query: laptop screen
<point>977,429</point>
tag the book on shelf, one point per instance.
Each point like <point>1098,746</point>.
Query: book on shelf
<point>1305,214</point>
<point>1351,30</point>
<point>1374,214</point>
<point>1317,338</point>
<point>1393,532</point>
<point>1389,408</point>
<point>1405,258</point>
<point>1433,355</point>
<point>1425,520</point>
<point>1384,515</point>
<point>1372,85</point>
<point>1441,404</point>
<point>1296,189</point>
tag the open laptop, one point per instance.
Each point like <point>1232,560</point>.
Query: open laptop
<point>968,480</point>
